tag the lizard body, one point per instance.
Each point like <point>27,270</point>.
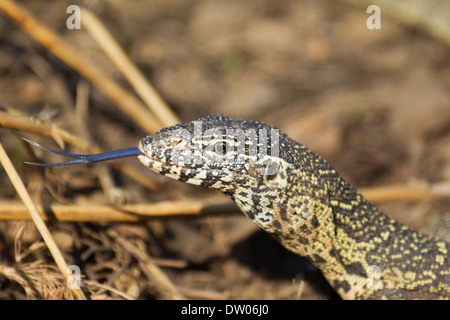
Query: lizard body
<point>296,196</point>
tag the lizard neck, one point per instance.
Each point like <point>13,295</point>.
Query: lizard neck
<point>381,257</point>
<point>362,252</point>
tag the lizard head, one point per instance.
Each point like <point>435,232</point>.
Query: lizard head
<point>217,152</point>
<point>258,166</point>
<point>264,171</point>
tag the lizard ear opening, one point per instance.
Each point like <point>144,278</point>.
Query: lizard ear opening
<point>274,175</point>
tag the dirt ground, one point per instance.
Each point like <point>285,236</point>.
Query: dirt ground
<point>374,103</point>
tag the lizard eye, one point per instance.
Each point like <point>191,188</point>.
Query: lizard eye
<point>221,148</point>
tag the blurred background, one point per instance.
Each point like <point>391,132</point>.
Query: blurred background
<point>374,103</point>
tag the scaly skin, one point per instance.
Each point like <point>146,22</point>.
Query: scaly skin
<point>302,201</point>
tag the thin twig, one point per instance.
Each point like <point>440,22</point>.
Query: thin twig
<point>111,289</point>
<point>150,269</point>
<point>194,293</point>
<point>107,182</point>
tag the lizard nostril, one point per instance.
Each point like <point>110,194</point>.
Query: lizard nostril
<point>179,144</point>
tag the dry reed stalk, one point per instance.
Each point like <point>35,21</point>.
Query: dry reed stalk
<point>25,123</point>
<point>407,193</point>
<point>140,84</point>
<point>181,208</point>
<point>124,213</point>
<point>40,225</point>
<point>55,44</point>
